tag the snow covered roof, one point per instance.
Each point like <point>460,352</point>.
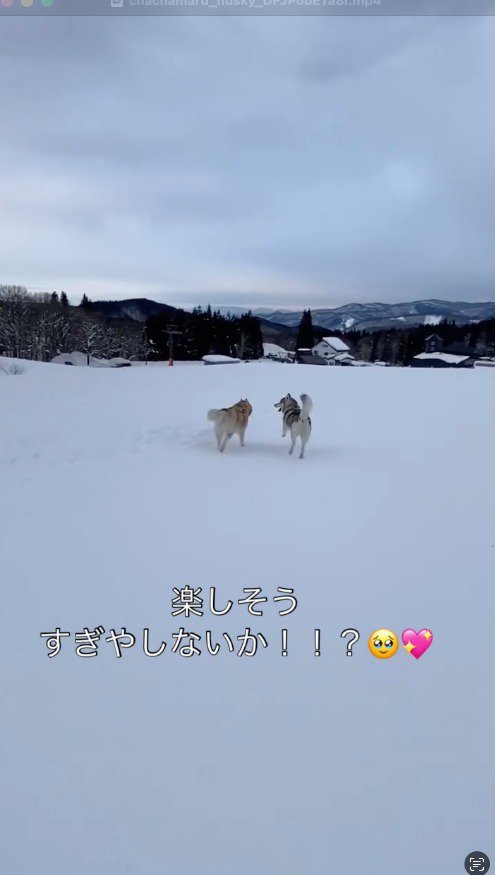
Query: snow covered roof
<point>343,357</point>
<point>274,349</point>
<point>79,358</point>
<point>443,356</point>
<point>336,343</point>
<point>219,360</point>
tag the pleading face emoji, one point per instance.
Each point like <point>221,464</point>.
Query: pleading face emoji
<point>383,643</point>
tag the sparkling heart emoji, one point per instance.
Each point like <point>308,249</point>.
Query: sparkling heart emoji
<point>417,643</point>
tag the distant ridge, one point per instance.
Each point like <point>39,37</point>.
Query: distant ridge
<point>361,317</point>
<point>350,317</point>
<point>137,309</point>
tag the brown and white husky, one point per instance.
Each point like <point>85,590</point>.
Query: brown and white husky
<point>229,421</point>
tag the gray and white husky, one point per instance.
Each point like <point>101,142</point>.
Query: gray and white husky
<point>296,418</point>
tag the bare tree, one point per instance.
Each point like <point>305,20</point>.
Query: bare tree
<point>142,348</point>
<point>63,330</point>
<point>90,337</point>
<point>14,320</point>
<point>41,326</point>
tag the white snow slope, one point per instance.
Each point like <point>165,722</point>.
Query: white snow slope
<point>113,493</point>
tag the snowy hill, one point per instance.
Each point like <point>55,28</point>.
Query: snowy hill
<point>113,494</point>
<point>137,309</point>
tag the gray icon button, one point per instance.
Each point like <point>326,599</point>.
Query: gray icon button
<point>476,862</point>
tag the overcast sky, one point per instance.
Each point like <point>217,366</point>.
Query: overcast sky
<point>300,161</point>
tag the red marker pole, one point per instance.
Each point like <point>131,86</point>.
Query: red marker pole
<point>171,331</point>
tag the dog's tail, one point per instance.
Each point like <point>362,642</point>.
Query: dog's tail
<point>213,415</point>
<point>306,406</point>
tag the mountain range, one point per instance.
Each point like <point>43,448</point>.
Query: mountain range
<point>374,316</point>
<point>350,317</point>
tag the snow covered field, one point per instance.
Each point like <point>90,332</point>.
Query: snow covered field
<point>113,493</point>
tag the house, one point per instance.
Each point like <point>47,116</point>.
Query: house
<point>441,360</point>
<point>308,357</point>
<point>328,347</point>
<point>334,350</point>
<point>435,343</point>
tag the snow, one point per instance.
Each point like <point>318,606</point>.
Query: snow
<point>118,361</point>
<point>274,350</point>
<point>113,493</point>
<point>337,343</point>
<point>343,357</point>
<point>80,359</point>
<point>443,356</point>
<point>219,360</point>
<point>431,319</point>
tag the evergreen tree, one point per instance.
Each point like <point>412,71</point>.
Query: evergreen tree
<point>305,334</point>
<point>64,301</point>
<point>207,331</point>
<point>85,303</point>
<point>54,298</point>
<point>250,339</point>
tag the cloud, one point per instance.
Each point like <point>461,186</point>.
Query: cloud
<point>297,161</point>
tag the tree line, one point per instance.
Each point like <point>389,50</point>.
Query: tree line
<point>41,326</point>
<point>207,331</point>
<point>398,346</point>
